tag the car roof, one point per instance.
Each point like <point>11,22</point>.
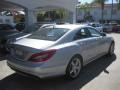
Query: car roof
<point>70,26</point>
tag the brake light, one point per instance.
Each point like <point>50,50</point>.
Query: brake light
<point>42,56</point>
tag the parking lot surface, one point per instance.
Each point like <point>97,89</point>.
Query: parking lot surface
<point>102,74</point>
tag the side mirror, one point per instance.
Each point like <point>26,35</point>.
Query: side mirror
<point>103,34</point>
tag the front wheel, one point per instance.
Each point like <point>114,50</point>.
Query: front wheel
<point>111,49</point>
<point>74,68</point>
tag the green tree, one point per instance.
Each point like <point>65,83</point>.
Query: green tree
<point>61,13</point>
<point>85,8</point>
<point>53,15</point>
<point>56,14</point>
<point>102,3</point>
<point>40,17</point>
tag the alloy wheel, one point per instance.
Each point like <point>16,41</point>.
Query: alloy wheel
<point>74,67</point>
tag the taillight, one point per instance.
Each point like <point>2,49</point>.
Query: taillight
<point>42,56</point>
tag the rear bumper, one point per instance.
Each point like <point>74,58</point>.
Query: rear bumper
<point>20,72</point>
<point>38,69</point>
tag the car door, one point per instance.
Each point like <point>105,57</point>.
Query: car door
<point>99,40</point>
<point>87,44</point>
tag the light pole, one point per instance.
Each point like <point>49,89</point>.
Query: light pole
<point>112,11</point>
<point>77,10</point>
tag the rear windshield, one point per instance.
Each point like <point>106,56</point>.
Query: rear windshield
<point>50,34</point>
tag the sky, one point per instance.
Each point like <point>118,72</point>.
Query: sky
<point>83,1</point>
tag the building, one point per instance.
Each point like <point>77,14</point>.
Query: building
<point>93,12</point>
<point>30,8</point>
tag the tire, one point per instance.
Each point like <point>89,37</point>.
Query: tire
<point>111,49</point>
<point>74,67</point>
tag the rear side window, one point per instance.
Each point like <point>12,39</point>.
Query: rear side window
<point>82,34</point>
<point>94,32</point>
<point>50,34</point>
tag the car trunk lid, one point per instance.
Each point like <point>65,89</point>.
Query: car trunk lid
<point>24,48</point>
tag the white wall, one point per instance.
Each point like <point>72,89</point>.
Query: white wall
<point>31,5</point>
<point>67,4</point>
<point>96,13</point>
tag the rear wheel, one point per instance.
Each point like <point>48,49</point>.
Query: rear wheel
<point>111,49</point>
<point>74,68</point>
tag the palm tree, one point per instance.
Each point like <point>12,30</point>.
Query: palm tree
<point>85,8</point>
<point>102,3</point>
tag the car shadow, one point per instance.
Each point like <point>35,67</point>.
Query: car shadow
<point>2,57</point>
<point>92,70</point>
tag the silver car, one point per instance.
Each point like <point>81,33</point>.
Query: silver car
<point>59,50</point>
<point>107,27</point>
<point>97,26</point>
